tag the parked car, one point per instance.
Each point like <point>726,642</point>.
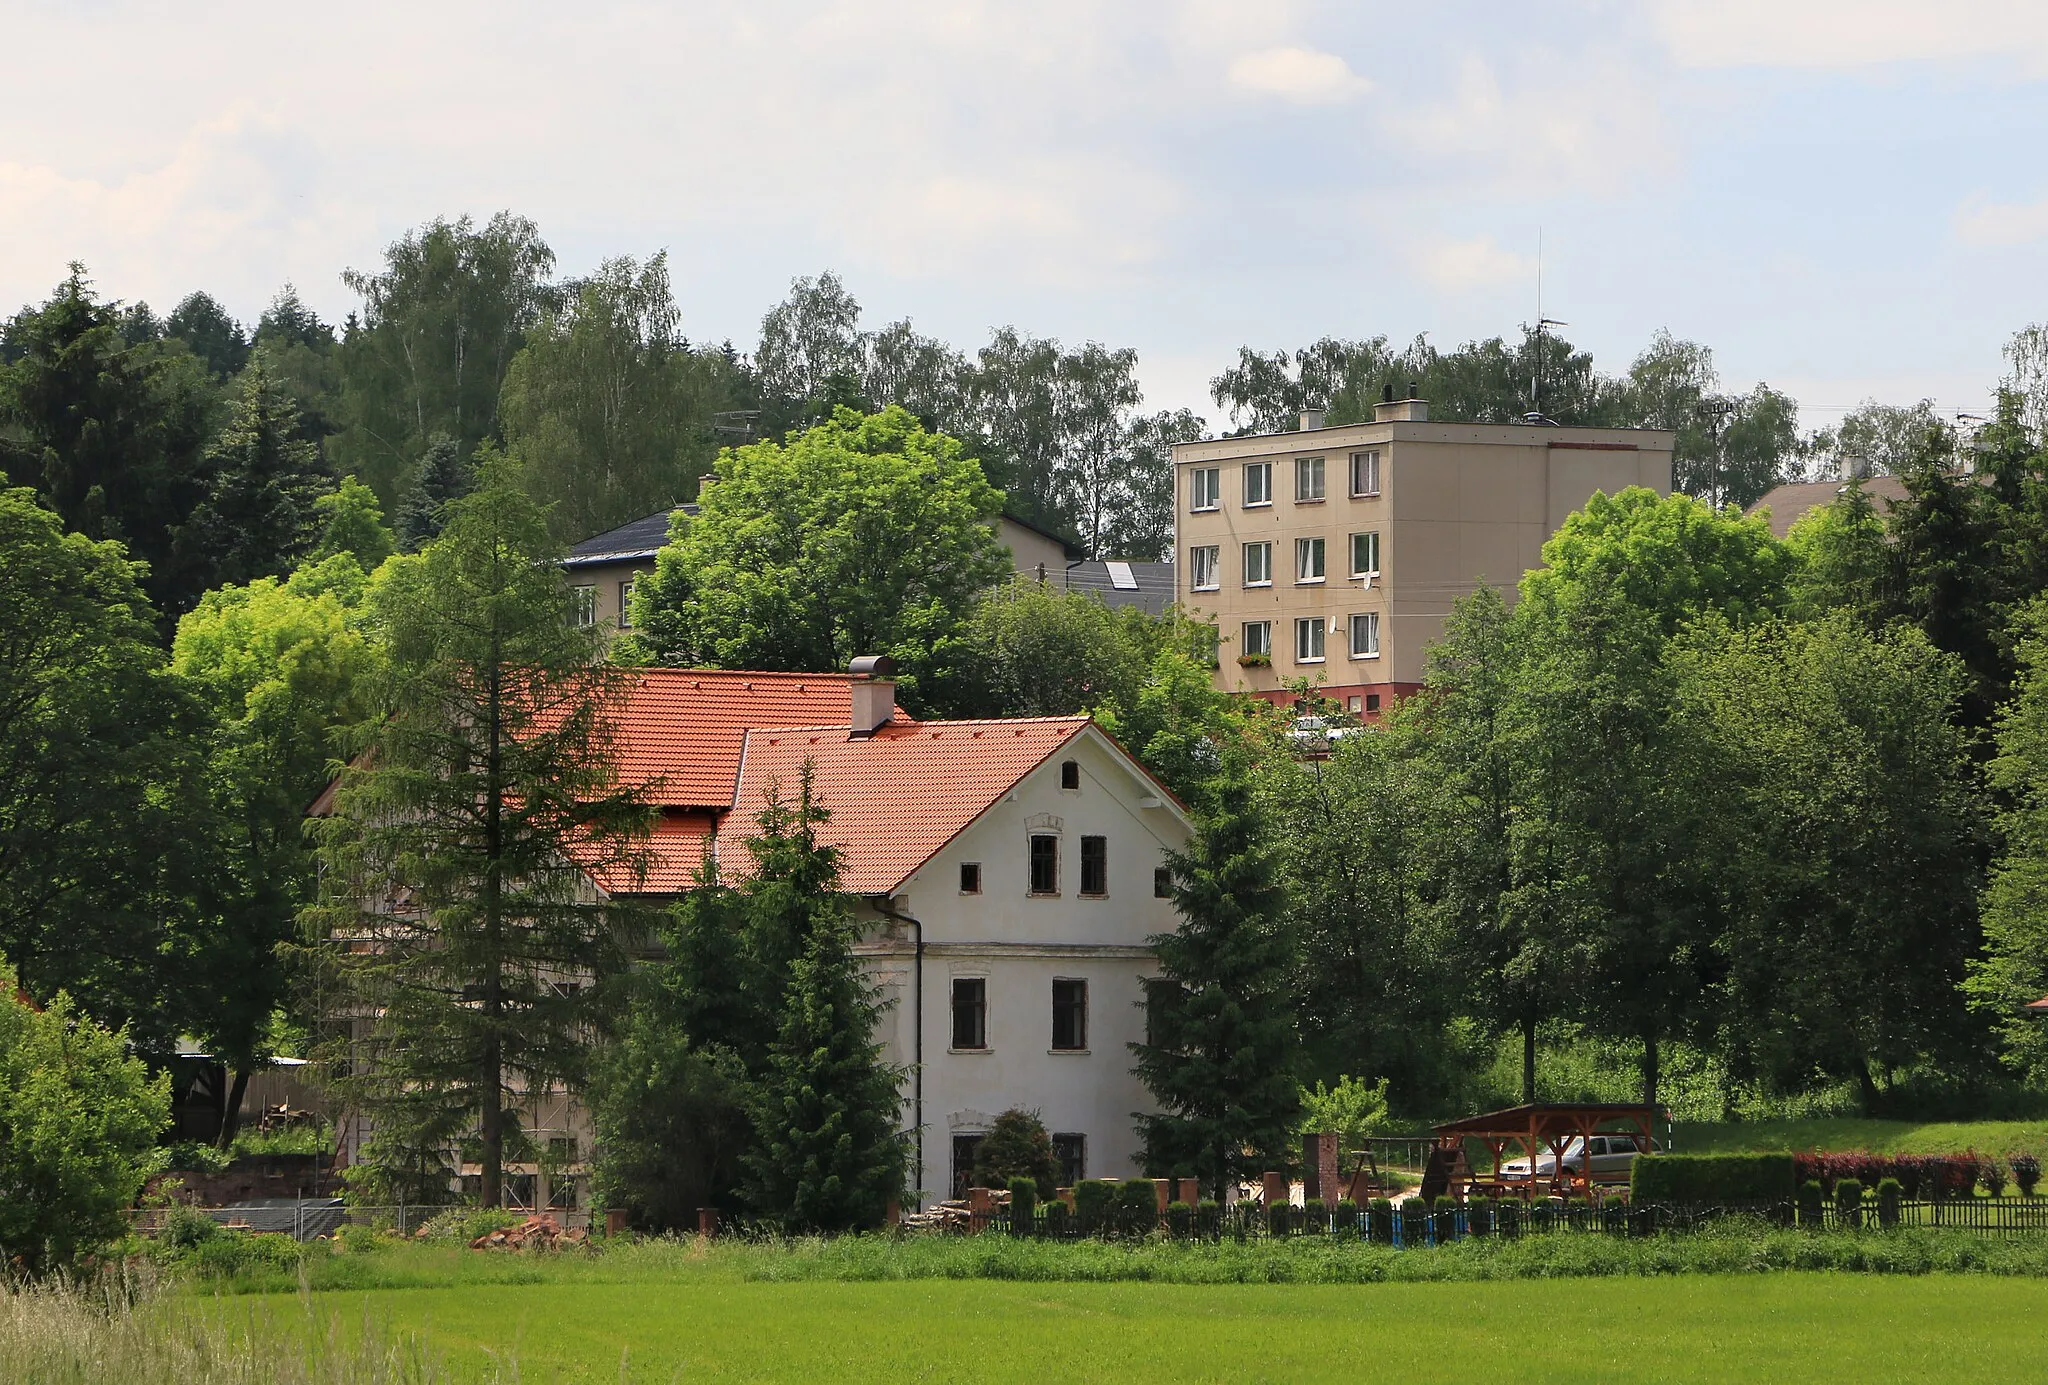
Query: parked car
<point>1314,731</point>
<point>1613,1156</point>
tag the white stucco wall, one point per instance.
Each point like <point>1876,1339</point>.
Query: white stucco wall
<point>1020,943</point>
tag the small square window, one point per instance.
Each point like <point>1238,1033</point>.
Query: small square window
<point>1070,774</point>
<point>1203,567</point>
<point>1372,702</point>
<point>1045,864</point>
<point>1069,1014</point>
<point>1257,639</point>
<point>970,877</point>
<point>1095,865</point>
<point>583,605</point>
<point>1162,883</point>
<point>1258,565</point>
<point>970,1012</point>
<point>1068,1151</point>
<point>1308,641</point>
<point>1365,473</point>
<point>1308,479</point>
<point>625,605</point>
<point>1308,560</point>
<point>1258,483</point>
<point>1205,487</point>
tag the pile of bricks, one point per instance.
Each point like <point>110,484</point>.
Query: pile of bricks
<point>535,1233</point>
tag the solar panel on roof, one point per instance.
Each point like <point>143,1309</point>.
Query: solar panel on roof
<point>1121,577</point>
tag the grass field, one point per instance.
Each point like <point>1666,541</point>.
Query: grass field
<point>1792,1327</point>
<point>1876,1136</point>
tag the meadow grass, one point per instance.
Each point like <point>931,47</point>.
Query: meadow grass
<point>1854,1134</point>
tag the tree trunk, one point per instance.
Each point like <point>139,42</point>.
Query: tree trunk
<point>231,1117</point>
<point>1866,1086</point>
<point>1528,1060</point>
<point>1651,1071</point>
<point>492,1132</point>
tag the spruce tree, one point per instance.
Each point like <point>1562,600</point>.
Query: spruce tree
<point>1219,1055</point>
<point>259,516</point>
<point>443,478</point>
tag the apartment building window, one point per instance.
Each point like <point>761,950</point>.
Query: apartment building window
<point>1365,554</point>
<point>970,1012</point>
<point>1372,702</point>
<point>1365,473</point>
<point>583,605</point>
<point>1069,1015</point>
<point>625,605</point>
<point>1258,565</point>
<point>966,1151</point>
<point>1308,479</point>
<point>1365,635</point>
<point>1205,488</point>
<point>970,877</point>
<point>1162,883</point>
<point>1308,641</point>
<point>1070,774</point>
<point>1257,641</point>
<point>1067,1151</point>
<point>1202,567</point>
<point>1308,560</point>
<point>1045,864</point>
<point>1095,865</point>
<point>1258,483</point>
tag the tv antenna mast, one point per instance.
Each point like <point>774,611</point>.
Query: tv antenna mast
<point>1536,414</point>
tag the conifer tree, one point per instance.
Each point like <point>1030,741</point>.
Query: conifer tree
<point>1219,1055</point>
<point>443,478</point>
<point>259,515</point>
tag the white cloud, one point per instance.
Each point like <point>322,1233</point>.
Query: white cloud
<point>1301,75</point>
<point>1474,263</point>
<point>1983,223</point>
<point>1852,33</point>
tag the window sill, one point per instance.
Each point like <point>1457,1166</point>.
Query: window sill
<point>1258,504</point>
<point>1098,894</point>
<point>1211,588</point>
<point>1203,509</point>
<point>1311,500</point>
<point>1041,894</point>
<point>1364,658</point>
<point>1361,576</point>
<point>1068,1052</point>
<point>1365,495</point>
<point>1310,581</point>
<point>1251,585</point>
<point>1311,661</point>
<point>971,1052</point>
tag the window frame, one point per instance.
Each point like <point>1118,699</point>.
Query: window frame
<point>1370,456</point>
<point>1265,639</point>
<point>1162,882</point>
<point>583,605</point>
<point>1070,776</point>
<point>1073,1169</point>
<point>977,987</point>
<point>1097,847</point>
<point>1205,481</point>
<point>1076,1010</point>
<point>1214,554</point>
<point>1052,839</point>
<point>1372,538</point>
<point>1264,548</point>
<point>1303,625</point>
<point>626,603</point>
<point>970,1140</point>
<point>1304,468</point>
<point>1317,545</point>
<point>1264,470</point>
<point>970,877</point>
<point>1364,620</point>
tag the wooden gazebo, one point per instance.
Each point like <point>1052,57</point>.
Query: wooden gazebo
<point>1528,1133</point>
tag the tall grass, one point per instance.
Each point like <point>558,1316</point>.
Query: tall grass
<point>122,1331</point>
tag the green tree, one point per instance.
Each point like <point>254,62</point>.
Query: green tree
<point>1016,1146</point>
<point>812,355</point>
<point>79,1120</point>
<point>859,536</point>
<point>441,322</point>
<point>208,332</point>
<point>608,410</point>
<point>443,478</point>
<point>298,351</point>
<point>1730,449</point>
<point>352,522</point>
<point>1220,1050</point>
<point>1840,559</point>
<point>1185,729</point>
<point>1354,1109</point>
<point>260,514</point>
<point>1030,649</point>
<point>458,916</point>
<point>2013,969</point>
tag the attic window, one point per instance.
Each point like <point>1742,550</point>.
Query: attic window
<point>1070,774</point>
<point>1162,883</point>
<point>970,877</point>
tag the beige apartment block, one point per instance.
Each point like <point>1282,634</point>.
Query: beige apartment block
<point>1334,554</point>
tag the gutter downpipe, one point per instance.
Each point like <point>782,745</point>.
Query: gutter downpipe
<point>917,1030</point>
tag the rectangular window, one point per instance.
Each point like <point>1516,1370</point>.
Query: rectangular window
<point>1067,1151</point>
<point>970,877</point>
<point>1095,865</point>
<point>1070,774</point>
<point>1162,883</point>
<point>1045,864</point>
<point>970,1012</point>
<point>1308,641</point>
<point>1202,567</point>
<point>1258,638</point>
<point>1069,1014</point>
<point>583,605</point>
<point>1205,488</point>
<point>625,605</point>
<point>1308,560</point>
<point>1365,554</point>
<point>1258,483</point>
<point>1365,473</point>
<point>1308,478</point>
<point>1258,565</point>
<point>1365,635</point>
<point>966,1150</point>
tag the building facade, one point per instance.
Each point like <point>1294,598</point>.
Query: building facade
<point>1334,554</point>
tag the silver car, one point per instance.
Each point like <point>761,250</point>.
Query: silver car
<point>1613,1156</point>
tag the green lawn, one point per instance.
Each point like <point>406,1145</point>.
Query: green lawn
<point>1876,1136</point>
<point>1785,1327</point>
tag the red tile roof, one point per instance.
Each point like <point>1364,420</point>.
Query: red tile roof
<point>895,797</point>
<point>675,853</point>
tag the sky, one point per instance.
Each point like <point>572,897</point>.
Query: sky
<point>1843,198</point>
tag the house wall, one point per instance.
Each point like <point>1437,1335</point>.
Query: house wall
<point>1018,944</point>
<point>606,579</point>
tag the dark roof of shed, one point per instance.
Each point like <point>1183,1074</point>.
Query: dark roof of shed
<point>1548,1115</point>
<point>639,539</point>
<point>1154,590</point>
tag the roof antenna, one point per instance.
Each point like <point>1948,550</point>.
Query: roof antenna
<point>1536,414</point>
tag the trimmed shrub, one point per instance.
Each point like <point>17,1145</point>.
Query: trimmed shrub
<point>1379,1222</point>
<point>1054,1223</point>
<point>1347,1217</point>
<point>1991,1173</point>
<point>1137,1207</point>
<point>1023,1205</point>
<point>1888,1203</point>
<point>1414,1223</point>
<point>1094,1207</point>
<point>1016,1146</point>
<point>1507,1217</point>
<point>1315,1219</point>
<point>2026,1171</point>
<point>1180,1220</point>
<point>1479,1216</point>
<point>1280,1218</point>
<point>1697,1180</point>
<point>1811,1201</point>
<point>1208,1217</point>
<point>1849,1203</point>
<point>1446,1210</point>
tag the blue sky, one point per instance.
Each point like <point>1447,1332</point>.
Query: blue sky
<point>1845,198</point>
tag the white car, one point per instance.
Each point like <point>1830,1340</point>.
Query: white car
<point>1315,730</point>
<point>1613,1156</point>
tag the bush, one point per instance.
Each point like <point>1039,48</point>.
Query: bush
<point>464,1224</point>
<point>1094,1206</point>
<point>2026,1171</point>
<point>1280,1218</point>
<point>1414,1223</point>
<point>191,1156</point>
<point>1137,1207</point>
<point>1347,1217</point>
<point>1016,1146</point>
<point>1379,1222</point>
<point>1849,1202</point>
<point>1208,1217</point>
<point>79,1119</point>
<point>1811,1200</point>
<point>1180,1220</point>
<point>1991,1173</point>
<point>1888,1203</point>
<point>1314,1218</point>
<point>1479,1213</point>
<point>1023,1205</point>
<point>1702,1180</point>
<point>1056,1218</point>
<point>184,1227</point>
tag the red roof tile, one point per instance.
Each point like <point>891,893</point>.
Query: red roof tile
<point>895,797</point>
<point>675,853</point>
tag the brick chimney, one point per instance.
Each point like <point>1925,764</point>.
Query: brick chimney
<point>874,693</point>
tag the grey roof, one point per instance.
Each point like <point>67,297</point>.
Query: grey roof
<point>639,539</point>
<point>1149,585</point>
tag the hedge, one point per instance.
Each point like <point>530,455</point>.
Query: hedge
<point>1693,1180</point>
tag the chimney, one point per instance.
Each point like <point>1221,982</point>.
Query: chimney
<point>874,693</point>
<point>1312,419</point>
<point>1392,410</point>
<point>1850,467</point>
